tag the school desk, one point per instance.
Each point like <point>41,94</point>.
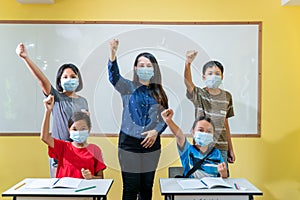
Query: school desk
<point>171,190</point>
<point>20,192</point>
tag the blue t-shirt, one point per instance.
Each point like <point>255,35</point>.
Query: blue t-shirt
<point>141,112</point>
<point>190,155</point>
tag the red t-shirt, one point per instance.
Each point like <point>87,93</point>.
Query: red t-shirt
<point>72,159</point>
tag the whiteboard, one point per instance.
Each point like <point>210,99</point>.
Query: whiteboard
<point>236,45</point>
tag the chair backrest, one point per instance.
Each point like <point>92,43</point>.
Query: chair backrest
<point>173,171</point>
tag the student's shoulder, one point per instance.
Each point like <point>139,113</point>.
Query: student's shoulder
<point>81,98</point>
<point>61,143</point>
<point>200,91</point>
<point>226,92</point>
<point>186,146</point>
<point>93,147</point>
<point>215,152</point>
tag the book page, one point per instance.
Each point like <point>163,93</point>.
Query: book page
<point>65,182</point>
<point>42,183</point>
<point>191,183</point>
<point>68,182</point>
<point>212,182</point>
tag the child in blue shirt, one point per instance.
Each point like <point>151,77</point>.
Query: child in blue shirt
<point>202,148</point>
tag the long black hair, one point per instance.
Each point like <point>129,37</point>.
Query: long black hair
<point>155,85</point>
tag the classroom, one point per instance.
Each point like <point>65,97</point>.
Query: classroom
<point>269,160</point>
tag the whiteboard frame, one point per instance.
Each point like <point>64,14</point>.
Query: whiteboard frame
<point>259,75</point>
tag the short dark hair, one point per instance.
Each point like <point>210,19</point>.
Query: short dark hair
<point>80,116</point>
<point>212,63</point>
<point>60,72</point>
<point>205,118</point>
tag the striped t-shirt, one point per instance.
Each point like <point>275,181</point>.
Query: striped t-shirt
<point>217,107</point>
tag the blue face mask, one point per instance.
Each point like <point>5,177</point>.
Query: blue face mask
<point>79,136</point>
<point>213,81</point>
<point>203,138</point>
<point>145,73</point>
<point>69,84</point>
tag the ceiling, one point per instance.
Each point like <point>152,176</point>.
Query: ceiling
<point>290,2</point>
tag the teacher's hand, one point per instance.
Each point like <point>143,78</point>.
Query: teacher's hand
<point>113,45</point>
<point>149,139</point>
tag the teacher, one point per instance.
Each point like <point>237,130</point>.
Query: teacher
<point>139,140</point>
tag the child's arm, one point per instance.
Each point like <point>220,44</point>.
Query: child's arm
<point>39,75</point>
<point>88,175</point>
<point>167,116</point>
<point>190,56</point>
<point>222,169</point>
<point>45,134</point>
<point>231,156</point>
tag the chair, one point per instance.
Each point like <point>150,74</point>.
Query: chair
<point>173,171</point>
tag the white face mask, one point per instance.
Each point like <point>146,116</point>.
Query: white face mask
<point>79,136</point>
<point>213,81</point>
<point>145,73</point>
<point>69,84</point>
<point>203,138</point>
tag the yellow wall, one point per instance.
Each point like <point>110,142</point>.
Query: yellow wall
<point>271,162</point>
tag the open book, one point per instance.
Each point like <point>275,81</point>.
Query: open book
<point>65,182</point>
<point>204,183</point>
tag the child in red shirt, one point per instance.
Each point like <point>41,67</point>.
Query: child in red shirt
<point>76,159</point>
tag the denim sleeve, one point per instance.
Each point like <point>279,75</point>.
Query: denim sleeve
<point>156,118</point>
<point>121,84</point>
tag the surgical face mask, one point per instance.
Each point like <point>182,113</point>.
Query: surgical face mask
<point>145,73</point>
<point>79,136</point>
<point>203,138</point>
<point>69,84</point>
<point>213,81</point>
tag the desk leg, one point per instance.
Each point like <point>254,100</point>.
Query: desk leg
<point>169,197</point>
<point>251,197</point>
<point>99,198</point>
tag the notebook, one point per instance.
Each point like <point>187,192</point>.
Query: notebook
<point>203,183</point>
<point>66,182</point>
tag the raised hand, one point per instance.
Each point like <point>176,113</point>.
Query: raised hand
<point>190,56</point>
<point>21,50</point>
<point>167,114</point>
<point>49,102</point>
<point>113,44</point>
